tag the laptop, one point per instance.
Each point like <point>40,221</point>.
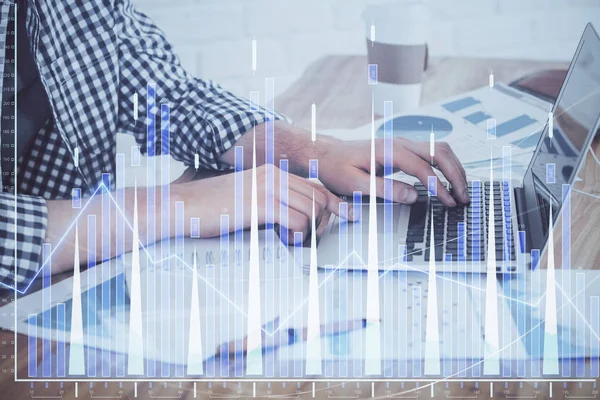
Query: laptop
<point>522,208</point>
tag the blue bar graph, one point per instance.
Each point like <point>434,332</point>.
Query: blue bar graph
<point>388,183</point>
<point>417,334</point>
<point>165,229</point>
<point>120,249</point>
<point>313,169</point>
<point>239,249</point>
<point>566,283</point>
<point>580,326</point>
<point>372,74</point>
<point>595,326</point>
<point>283,232</point>
<point>537,333</point>
<point>388,217</point>
<point>195,227</point>
<point>389,308</point>
<point>91,310</point>
<point>357,225</point>
<point>460,104</point>
<point>432,186</point>
<point>106,255</point>
<point>61,340</point>
<point>462,247</point>
<point>357,243</point>
<point>210,321</point>
<point>463,343</point>
<point>76,197</point>
<point>535,259</point>
<point>180,250</point>
<point>270,208</point>
<point>299,320</point>
<point>448,317</point>
<point>32,325</point>
<point>327,300</point>
<point>224,288</point>
<point>136,156</point>
<point>403,313</point>
<point>506,190</point>
<point>283,195</point>
<point>477,117</point>
<point>514,124</point>
<point>343,236</point>
<point>47,313</point>
<point>551,173</point>
<point>476,242</point>
<point>151,111</point>
<point>343,301</point>
<point>521,318</point>
<point>476,212</point>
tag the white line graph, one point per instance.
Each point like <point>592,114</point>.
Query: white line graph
<point>536,304</point>
<point>428,382</point>
<point>103,189</point>
<point>177,257</point>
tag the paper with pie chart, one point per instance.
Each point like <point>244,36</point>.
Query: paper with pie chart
<point>462,122</point>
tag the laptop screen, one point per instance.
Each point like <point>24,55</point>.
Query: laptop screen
<point>559,153</point>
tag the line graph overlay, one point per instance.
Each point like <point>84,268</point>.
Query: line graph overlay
<point>104,188</point>
<point>212,287</point>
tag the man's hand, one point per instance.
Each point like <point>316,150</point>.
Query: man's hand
<point>345,167</point>
<point>209,198</point>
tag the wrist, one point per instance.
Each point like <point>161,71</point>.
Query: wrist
<point>296,145</point>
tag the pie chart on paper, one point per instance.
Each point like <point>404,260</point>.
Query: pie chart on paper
<point>418,127</point>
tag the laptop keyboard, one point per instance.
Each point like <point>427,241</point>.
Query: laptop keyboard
<point>460,233</point>
<point>544,207</point>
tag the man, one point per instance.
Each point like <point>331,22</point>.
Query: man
<point>79,62</point>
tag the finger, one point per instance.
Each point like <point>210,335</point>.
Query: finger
<point>284,233</point>
<point>297,222</point>
<point>447,162</point>
<point>400,191</point>
<point>297,194</point>
<point>296,203</point>
<point>322,195</point>
<point>300,203</point>
<point>324,223</point>
<point>416,166</point>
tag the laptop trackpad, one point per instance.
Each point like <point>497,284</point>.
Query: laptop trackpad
<point>385,213</point>
<point>352,251</point>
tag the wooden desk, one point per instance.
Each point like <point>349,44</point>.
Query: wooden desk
<point>338,85</point>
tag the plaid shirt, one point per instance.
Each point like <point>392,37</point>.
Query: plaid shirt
<point>92,56</point>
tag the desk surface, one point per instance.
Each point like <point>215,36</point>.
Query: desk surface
<point>338,85</point>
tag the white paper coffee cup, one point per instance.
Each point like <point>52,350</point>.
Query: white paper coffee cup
<point>397,43</point>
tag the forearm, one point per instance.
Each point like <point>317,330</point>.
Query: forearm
<point>63,219</point>
<point>290,143</point>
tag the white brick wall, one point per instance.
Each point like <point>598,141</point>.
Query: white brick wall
<point>213,37</point>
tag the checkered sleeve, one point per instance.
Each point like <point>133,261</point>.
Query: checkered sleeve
<point>204,118</point>
<point>31,220</point>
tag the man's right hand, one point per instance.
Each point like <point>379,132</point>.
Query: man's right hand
<point>209,198</point>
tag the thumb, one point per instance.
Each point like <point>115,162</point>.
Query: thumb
<point>396,191</point>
